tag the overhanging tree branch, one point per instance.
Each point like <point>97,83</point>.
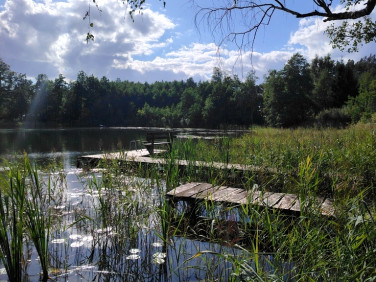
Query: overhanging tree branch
<point>255,14</point>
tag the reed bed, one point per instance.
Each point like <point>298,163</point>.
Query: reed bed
<point>130,231</point>
<point>340,164</point>
<point>25,204</point>
<point>344,159</point>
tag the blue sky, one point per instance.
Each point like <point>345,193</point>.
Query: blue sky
<point>162,44</point>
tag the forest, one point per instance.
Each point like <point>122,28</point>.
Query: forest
<point>323,93</point>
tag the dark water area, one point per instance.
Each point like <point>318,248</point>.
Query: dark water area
<point>65,143</point>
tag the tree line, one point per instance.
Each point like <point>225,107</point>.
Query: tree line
<point>323,92</point>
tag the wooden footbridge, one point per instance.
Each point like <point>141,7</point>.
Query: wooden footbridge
<point>282,201</point>
<point>201,191</point>
<point>143,157</point>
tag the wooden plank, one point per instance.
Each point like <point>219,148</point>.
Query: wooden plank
<point>251,198</point>
<point>194,190</point>
<point>140,156</point>
<point>241,196</point>
<point>215,193</point>
<point>327,207</point>
<point>225,194</point>
<point>296,206</point>
<point>238,198</point>
<point>182,188</point>
<point>206,194</point>
<point>287,201</point>
<point>268,199</point>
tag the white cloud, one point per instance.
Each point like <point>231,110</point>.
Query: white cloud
<point>50,36</point>
<point>311,40</point>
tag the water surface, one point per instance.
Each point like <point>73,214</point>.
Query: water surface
<point>107,226</point>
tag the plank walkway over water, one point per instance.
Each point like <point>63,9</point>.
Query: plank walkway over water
<point>282,201</point>
<point>142,156</point>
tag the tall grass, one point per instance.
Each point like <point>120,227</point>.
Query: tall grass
<point>38,214</point>
<point>12,206</point>
<point>24,211</point>
<point>310,163</point>
<point>256,243</point>
<point>343,159</point>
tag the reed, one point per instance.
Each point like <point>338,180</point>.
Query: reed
<point>38,214</point>
<point>211,240</point>
<point>12,205</point>
<point>310,163</point>
<point>24,211</point>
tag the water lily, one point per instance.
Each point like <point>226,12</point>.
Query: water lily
<point>135,251</point>
<point>77,244</point>
<point>159,255</point>
<point>158,260</point>
<point>58,241</point>
<point>157,244</point>
<point>133,257</point>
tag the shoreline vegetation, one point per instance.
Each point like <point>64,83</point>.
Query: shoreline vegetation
<point>261,244</point>
<point>321,93</point>
<point>313,134</point>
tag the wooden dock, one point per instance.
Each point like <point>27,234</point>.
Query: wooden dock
<point>143,157</point>
<point>282,201</point>
<point>200,191</point>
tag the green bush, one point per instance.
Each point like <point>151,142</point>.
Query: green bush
<point>335,117</point>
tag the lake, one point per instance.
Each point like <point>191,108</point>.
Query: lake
<point>108,226</point>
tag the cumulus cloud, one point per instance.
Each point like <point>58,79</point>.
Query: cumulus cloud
<point>48,37</point>
<point>51,36</point>
<point>311,40</point>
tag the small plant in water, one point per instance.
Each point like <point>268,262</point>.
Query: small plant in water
<point>24,211</point>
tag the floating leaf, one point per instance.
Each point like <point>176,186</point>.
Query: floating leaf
<point>159,255</point>
<point>133,257</point>
<point>157,244</point>
<point>57,241</point>
<point>134,251</point>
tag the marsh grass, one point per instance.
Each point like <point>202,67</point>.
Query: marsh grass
<point>218,241</point>
<point>271,245</point>
<point>343,159</point>
<point>25,212</point>
<point>311,163</point>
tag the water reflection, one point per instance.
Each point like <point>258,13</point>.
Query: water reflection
<point>112,231</point>
<point>107,226</point>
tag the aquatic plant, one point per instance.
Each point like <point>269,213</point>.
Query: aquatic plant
<point>24,210</point>
<point>12,205</point>
<point>38,214</point>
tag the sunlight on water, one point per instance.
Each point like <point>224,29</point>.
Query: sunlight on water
<point>113,231</point>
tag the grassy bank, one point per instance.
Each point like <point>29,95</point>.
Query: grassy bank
<point>137,234</point>
<point>342,159</point>
<point>310,162</point>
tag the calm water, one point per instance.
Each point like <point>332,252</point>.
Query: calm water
<point>65,144</point>
<point>108,231</point>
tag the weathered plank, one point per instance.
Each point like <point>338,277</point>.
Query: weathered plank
<point>238,198</point>
<point>205,194</point>
<point>280,201</point>
<point>193,190</point>
<point>182,188</point>
<point>286,202</point>
<point>295,206</point>
<point>143,156</point>
<point>225,194</point>
<point>327,207</point>
<point>268,199</point>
